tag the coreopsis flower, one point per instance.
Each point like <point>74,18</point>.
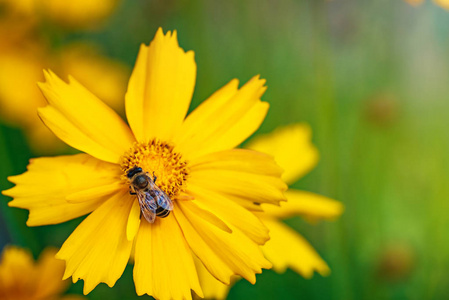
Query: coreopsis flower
<point>441,3</point>
<point>21,69</point>
<point>78,14</point>
<point>73,14</point>
<point>21,278</point>
<point>164,189</point>
<point>292,149</point>
<point>19,7</point>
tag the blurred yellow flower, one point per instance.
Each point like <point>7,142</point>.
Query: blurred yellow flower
<point>80,13</point>
<point>19,7</point>
<point>20,96</point>
<point>21,278</point>
<point>292,149</point>
<point>210,183</point>
<point>442,3</point>
<point>17,30</point>
<point>74,14</point>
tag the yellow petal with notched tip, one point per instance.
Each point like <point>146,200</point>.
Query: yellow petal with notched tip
<point>160,88</point>
<point>98,250</point>
<point>83,121</point>
<point>49,180</point>
<point>291,147</point>
<point>310,205</point>
<point>224,120</point>
<point>288,249</point>
<point>163,264</point>
<point>223,254</point>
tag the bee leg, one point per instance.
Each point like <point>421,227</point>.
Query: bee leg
<point>131,192</point>
<point>154,178</point>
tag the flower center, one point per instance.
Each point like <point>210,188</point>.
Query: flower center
<point>158,158</point>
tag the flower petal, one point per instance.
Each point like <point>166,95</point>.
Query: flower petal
<point>164,266</point>
<point>160,88</point>
<point>13,264</point>
<point>232,213</point>
<point>251,187</point>
<point>49,180</point>
<point>94,193</point>
<point>212,288</point>
<point>239,173</point>
<point>133,221</point>
<point>307,204</point>
<point>104,77</point>
<point>224,120</point>
<point>239,160</point>
<point>208,216</point>
<point>288,249</point>
<point>49,280</point>
<point>292,149</point>
<point>82,120</point>
<point>98,250</point>
<point>223,254</point>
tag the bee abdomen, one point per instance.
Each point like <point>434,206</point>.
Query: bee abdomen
<point>162,212</point>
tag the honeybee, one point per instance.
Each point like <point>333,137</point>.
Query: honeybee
<point>152,200</point>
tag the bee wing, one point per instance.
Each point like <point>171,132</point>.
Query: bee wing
<point>162,199</point>
<point>149,215</point>
<point>148,206</point>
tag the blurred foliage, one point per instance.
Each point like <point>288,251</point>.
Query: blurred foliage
<point>370,77</point>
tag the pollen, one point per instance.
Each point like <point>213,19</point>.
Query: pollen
<point>159,159</point>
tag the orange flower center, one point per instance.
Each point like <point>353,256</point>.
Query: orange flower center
<point>158,158</point>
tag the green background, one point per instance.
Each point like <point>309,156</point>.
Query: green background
<point>370,77</point>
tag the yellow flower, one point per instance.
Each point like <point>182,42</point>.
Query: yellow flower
<point>292,149</point>
<point>21,69</point>
<point>79,14</point>
<point>23,279</point>
<point>211,184</point>
<point>442,3</point>
<point>19,7</point>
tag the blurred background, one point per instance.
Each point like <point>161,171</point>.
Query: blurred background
<point>370,77</point>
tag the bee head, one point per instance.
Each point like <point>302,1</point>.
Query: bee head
<point>133,171</point>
